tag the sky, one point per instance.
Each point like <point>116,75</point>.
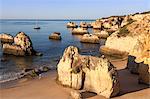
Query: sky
<point>69,9</point>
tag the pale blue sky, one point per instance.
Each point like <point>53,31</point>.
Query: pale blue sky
<point>70,9</point>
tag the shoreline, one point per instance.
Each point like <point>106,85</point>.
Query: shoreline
<point>47,87</point>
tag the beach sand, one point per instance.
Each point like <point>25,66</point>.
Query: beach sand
<point>47,88</point>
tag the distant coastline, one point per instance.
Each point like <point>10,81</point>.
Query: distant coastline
<point>48,19</point>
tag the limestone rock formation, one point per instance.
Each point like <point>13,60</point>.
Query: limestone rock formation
<point>87,72</point>
<point>141,52</point>
<point>144,73</point>
<point>128,36</point>
<point>113,52</point>
<point>6,38</point>
<point>13,49</point>
<point>83,25</point>
<point>96,25</point>
<point>75,94</point>
<point>22,46</point>
<point>102,34</point>
<point>55,36</point>
<point>66,67</point>
<point>79,31</point>
<point>89,38</point>
<point>132,65</point>
<point>72,25</point>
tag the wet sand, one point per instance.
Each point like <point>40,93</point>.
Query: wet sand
<point>46,87</point>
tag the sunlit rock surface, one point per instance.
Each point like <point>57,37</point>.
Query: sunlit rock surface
<point>87,72</point>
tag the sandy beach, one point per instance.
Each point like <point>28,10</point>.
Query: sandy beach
<point>47,88</point>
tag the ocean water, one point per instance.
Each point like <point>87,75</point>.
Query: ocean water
<point>52,50</point>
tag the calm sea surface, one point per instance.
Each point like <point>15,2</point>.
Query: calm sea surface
<point>51,50</point>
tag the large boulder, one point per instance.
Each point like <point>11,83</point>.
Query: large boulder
<point>65,68</point>
<point>6,38</point>
<point>89,38</point>
<point>87,72</point>
<point>22,46</point>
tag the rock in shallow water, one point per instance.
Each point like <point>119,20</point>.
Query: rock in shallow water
<point>87,72</point>
<point>6,38</point>
<point>89,38</point>
<point>55,36</point>
<point>22,46</point>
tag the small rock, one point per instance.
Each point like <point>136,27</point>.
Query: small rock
<point>75,94</point>
<point>55,36</point>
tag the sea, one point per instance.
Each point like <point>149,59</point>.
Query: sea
<point>52,50</point>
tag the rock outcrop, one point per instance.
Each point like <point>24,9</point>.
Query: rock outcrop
<point>22,46</point>
<point>6,38</point>
<point>55,36</point>
<point>96,25</point>
<point>113,52</point>
<point>83,25</point>
<point>89,38</point>
<point>102,34</point>
<point>72,25</point>
<point>127,36</point>
<point>79,31</point>
<point>141,52</point>
<point>87,72</point>
<point>144,73</point>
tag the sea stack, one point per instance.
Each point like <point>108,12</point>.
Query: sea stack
<point>22,46</point>
<point>87,72</point>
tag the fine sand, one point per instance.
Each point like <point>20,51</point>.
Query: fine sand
<point>47,88</point>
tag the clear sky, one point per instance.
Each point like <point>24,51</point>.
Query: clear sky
<point>70,9</point>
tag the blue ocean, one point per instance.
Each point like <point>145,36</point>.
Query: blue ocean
<point>52,50</point>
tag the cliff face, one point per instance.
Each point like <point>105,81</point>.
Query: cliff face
<point>126,37</point>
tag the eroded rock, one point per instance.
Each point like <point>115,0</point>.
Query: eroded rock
<point>89,38</point>
<point>55,36</point>
<point>144,73</point>
<point>102,34</point>
<point>79,31</point>
<point>72,25</point>
<point>75,94</point>
<point>87,72</point>
<point>6,38</point>
<point>22,46</point>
